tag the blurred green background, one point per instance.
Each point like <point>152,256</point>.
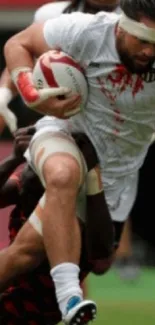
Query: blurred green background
<point>124,302</point>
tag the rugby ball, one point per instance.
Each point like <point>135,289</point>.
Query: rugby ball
<point>55,69</point>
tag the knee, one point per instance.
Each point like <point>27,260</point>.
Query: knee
<point>61,171</point>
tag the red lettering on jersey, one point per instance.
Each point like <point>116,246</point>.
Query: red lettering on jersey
<point>137,86</point>
<point>105,91</point>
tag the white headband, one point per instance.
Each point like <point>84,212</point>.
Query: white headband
<point>137,29</point>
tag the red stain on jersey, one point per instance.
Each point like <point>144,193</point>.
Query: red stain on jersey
<point>106,92</point>
<point>26,87</point>
<point>116,131</point>
<point>138,86</point>
<point>123,78</point>
<point>118,116</point>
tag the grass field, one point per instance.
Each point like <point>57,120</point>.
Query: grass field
<point>124,303</point>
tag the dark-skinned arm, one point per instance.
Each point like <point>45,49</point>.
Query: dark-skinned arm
<point>9,187</point>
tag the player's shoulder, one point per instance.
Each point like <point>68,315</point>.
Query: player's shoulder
<point>50,11</point>
<point>91,23</point>
<point>98,26</point>
<point>106,18</point>
<point>94,23</point>
<point>101,26</point>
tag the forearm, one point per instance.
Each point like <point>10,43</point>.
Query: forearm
<point>20,53</point>
<point>7,167</point>
<point>99,228</point>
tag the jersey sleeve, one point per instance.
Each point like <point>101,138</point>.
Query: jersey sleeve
<point>73,34</point>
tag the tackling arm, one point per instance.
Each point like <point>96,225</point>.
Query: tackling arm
<point>8,187</point>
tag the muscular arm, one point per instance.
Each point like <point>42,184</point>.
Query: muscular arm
<point>8,187</point>
<point>70,33</point>
<point>28,44</point>
<point>9,194</point>
<point>7,167</point>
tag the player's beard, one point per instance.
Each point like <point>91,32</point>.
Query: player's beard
<point>129,60</point>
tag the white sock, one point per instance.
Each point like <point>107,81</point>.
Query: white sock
<point>66,280</point>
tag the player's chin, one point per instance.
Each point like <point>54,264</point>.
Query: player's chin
<point>100,267</point>
<point>141,67</point>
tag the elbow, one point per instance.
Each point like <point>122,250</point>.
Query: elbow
<point>8,48</point>
<point>13,49</point>
<point>8,45</point>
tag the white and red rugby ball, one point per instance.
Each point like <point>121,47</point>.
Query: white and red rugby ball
<point>55,69</point>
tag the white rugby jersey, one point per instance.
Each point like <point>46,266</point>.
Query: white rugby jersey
<point>119,117</point>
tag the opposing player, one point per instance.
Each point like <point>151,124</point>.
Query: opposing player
<point>24,190</point>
